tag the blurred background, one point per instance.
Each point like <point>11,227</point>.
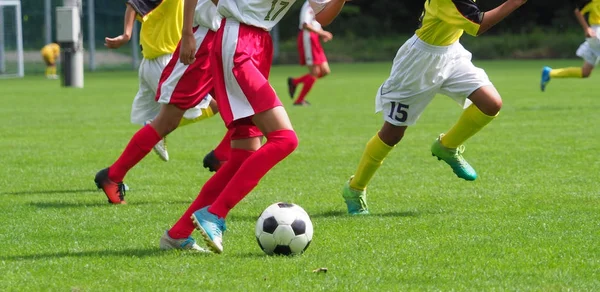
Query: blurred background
<point>367,30</point>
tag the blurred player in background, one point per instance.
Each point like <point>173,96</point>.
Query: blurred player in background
<point>588,15</point>
<point>311,54</point>
<point>250,108</point>
<point>50,54</point>
<point>159,35</point>
<point>182,86</point>
<point>433,61</point>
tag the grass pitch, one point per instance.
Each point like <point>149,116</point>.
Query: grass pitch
<point>529,222</point>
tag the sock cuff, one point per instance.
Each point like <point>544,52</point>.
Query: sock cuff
<point>477,116</point>
<point>377,148</point>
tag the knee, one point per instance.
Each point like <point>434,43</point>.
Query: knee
<point>325,72</point>
<point>286,139</point>
<point>495,106</point>
<point>391,135</point>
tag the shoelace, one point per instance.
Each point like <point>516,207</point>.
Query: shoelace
<point>458,155</point>
<point>121,191</point>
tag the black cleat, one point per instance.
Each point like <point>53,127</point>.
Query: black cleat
<point>211,162</point>
<point>115,192</point>
<point>291,87</point>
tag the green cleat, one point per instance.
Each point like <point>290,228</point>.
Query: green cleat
<point>355,200</point>
<point>454,158</point>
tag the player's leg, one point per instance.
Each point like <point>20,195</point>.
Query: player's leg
<point>308,80</point>
<point>144,107</point>
<point>138,147</point>
<point>586,52</point>
<point>466,81</point>
<point>281,140</point>
<point>244,147</point>
<point>244,77</point>
<point>376,150</point>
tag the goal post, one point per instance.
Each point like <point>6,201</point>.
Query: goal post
<point>11,40</point>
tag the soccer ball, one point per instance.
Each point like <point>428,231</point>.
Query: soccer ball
<point>284,229</point>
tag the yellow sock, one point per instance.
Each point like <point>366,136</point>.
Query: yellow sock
<point>48,71</point>
<point>470,122</point>
<point>206,113</point>
<point>53,70</point>
<point>372,158</point>
<point>571,72</point>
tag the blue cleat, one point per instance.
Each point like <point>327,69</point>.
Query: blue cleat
<point>211,227</point>
<point>545,77</point>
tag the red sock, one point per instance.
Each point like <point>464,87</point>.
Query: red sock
<point>139,146</point>
<point>279,145</point>
<point>301,79</point>
<point>222,150</point>
<point>209,192</point>
<point>308,84</point>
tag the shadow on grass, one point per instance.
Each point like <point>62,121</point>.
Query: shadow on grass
<point>140,253</point>
<point>50,192</point>
<point>334,214</point>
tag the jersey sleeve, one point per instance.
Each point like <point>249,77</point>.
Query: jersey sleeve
<point>465,15</point>
<point>143,7</point>
<point>318,5</point>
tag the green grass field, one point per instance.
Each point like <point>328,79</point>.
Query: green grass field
<point>530,221</point>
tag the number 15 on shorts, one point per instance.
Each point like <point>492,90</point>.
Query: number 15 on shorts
<point>398,111</point>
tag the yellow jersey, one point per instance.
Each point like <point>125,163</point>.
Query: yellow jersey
<point>162,22</point>
<point>50,50</point>
<point>444,21</point>
<point>591,10</point>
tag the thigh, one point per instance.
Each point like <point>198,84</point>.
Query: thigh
<point>185,86</point>
<point>463,80</point>
<point>242,61</point>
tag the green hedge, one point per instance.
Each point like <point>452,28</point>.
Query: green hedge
<point>537,45</point>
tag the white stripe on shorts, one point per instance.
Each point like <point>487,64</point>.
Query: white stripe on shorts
<point>238,102</point>
<point>307,46</point>
<point>168,86</point>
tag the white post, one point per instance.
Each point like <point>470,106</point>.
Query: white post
<point>70,38</point>
<point>91,35</point>
<point>21,59</point>
<point>47,21</point>
<point>2,53</point>
<point>135,46</point>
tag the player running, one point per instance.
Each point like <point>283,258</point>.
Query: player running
<point>587,13</point>
<point>159,35</point>
<point>182,86</point>
<point>311,54</point>
<point>50,53</point>
<point>249,106</point>
<point>433,61</point>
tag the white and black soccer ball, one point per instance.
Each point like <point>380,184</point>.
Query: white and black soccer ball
<point>284,229</point>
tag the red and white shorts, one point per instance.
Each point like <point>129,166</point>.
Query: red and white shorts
<point>241,61</point>
<point>309,48</point>
<point>185,86</point>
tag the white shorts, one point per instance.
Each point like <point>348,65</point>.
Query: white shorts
<point>420,71</point>
<point>589,51</point>
<point>145,107</point>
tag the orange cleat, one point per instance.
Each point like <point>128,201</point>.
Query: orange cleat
<point>115,192</point>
